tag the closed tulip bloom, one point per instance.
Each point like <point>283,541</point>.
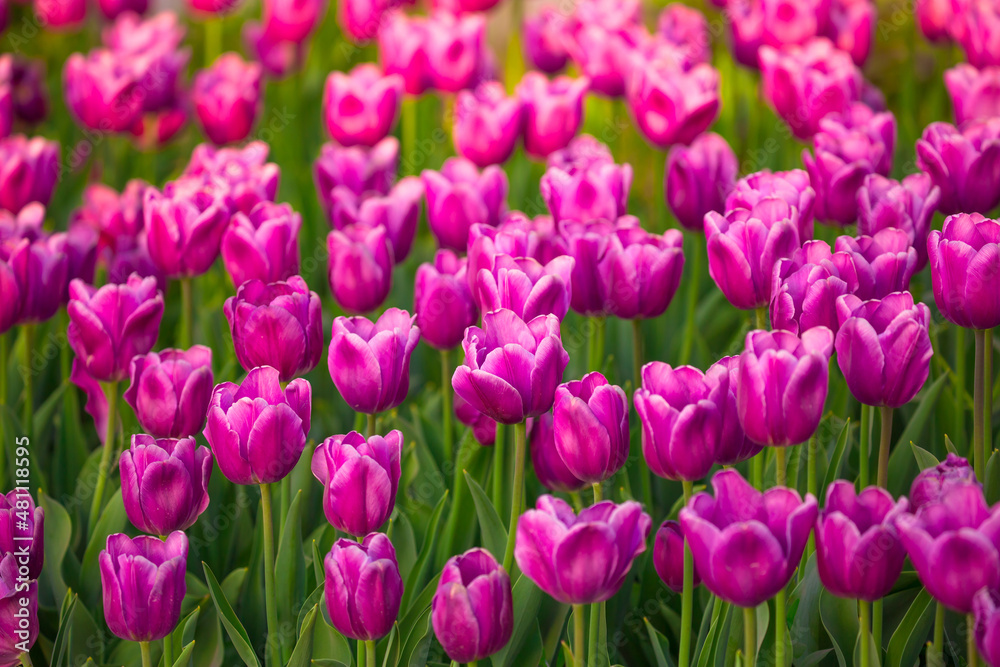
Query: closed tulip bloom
<point>40,269</point>
<point>792,186</point>
<point>979,33</point>
<point>154,47</point>
<point>360,107</point>
<point>19,611</point>
<point>686,29</point>
<point>590,420</point>
<point>601,51</point>
<point>747,544</point>
<point>908,205</point>
<point>360,479</point>
<point>358,168</point>
<point>975,94</point>
<point>964,164</point>
<point>398,212</point>
<point>277,324</point>
<point>858,551</point>
<point>746,244</point>
<point>292,20</point>
<point>184,231</point>
<point>548,465</point>
<point>543,40</point>
<point>642,272</point>
<point>22,530</point>
<point>877,265</point>
<point>472,610</point>
<point>102,91</point>
<point>257,430</point>
<point>699,178</point>
<point>219,7</point>
<point>242,174</point>
<point>227,98</point>
<point>591,248</point>
<point>953,545</point>
<point>263,245</point>
<point>361,19</point>
<point>170,390</point>
<point>935,18</point>
<point>553,111</point>
<point>511,367</point>
<point>851,26</point>
<point>143,582</point>
<point>60,13</point>
<point>454,49</point>
<point>783,385</point>
<point>596,192</point>
<point>668,556</point>
<point>277,57</point>
<point>460,196</point>
<point>370,362</point>
<point>984,608</point>
<point>442,300</point>
<point>111,325</point>
<point>363,588</point>
<point>164,483</point>
<point>963,257</point>
<point>806,287</point>
<point>484,429</point>
<point>29,92</point>
<point>360,268</point>
<point>670,104</point>
<point>518,236</point>
<point>29,169</point>
<point>487,124</point>
<point>526,287</point>
<point>401,48</point>
<point>932,483</point>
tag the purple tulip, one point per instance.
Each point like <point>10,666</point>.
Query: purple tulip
<point>979,34</point>
<point>484,429</point>
<point>975,94</point>
<point>581,153</point>
<point>964,164</point>
<point>699,178</point>
<point>932,483</point>
<point>487,124</point>
<point>401,42</point>
<point>472,610</point>
<point>908,205</point>
<point>154,46</point>
<point>37,272</point>
<point>29,92</point>
<point>686,29</point>
<point>217,7</point>
<point>358,168</point>
<point>398,212</point>
<point>442,300</point>
<point>292,20</point>
<point>143,582</point>
<point>111,325</point>
<point>642,272</point>
<point>963,258</point>
<point>360,267</point>
<point>590,245</point>
<point>164,483</point>
<point>877,265</point>
<point>668,556</point>
<point>543,40</point>
<point>227,98</point>
<point>590,420</point>
<point>805,288</point>
<point>454,48</point>
<point>102,90</point>
<point>858,551</point>
<point>243,174</point>
<point>363,588</point>
<point>984,608</point>
<point>525,286</point>
<point>113,9</point>
<point>57,14</point>
<point>599,38</point>
<point>791,186</point>
<point>549,466</point>
<point>361,20</point>
<point>370,362</point>
<point>19,611</point>
<point>935,18</point>
<point>595,192</point>
<point>263,245</point>
<point>553,111</point>
<point>670,104</point>
<point>22,531</point>
<point>360,479</point>
<point>460,196</point>
<point>783,384</point>
<point>361,107</point>
<point>580,559</point>
<point>184,231</point>
<point>29,169</point>
<point>465,6</point>
<point>852,27</point>
<point>953,545</point>
<point>277,57</point>
<point>277,324</point>
<point>517,236</point>
<point>747,544</point>
<point>170,390</point>
<point>511,367</point>
<point>257,430</point>
<point>6,85</point>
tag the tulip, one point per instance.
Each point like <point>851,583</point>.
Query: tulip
<point>877,265</point>
<point>401,42</point>
<point>370,362</point>
<point>29,92</point>
<point>40,270</point>
<point>962,258</point>
<point>117,218</point>
<point>6,85</point>
<point>102,90</point>
<point>805,288</point>
<point>984,608</point>
<point>933,483</point>
<point>143,582</point>
<point>792,186</point>
<point>460,196</point>
<point>360,269</point>
<point>484,429</point>
<point>601,51</point>
<point>111,325</point>
<point>22,531</point>
<point>964,164</point>
<point>170,391</point>
<point>686,29</point>
<point>935,18</point>
<point>292,20</point>
<point>908,205</point>
<point>487,124</point>
<point>454,49</point>
<point>699,178</point>
<point>747,544</point>
<point>526,287</point>
<point>543,40</point>
<point>553,111</point>
<point>28,171</point>
<point>218,7</point>
<point>782,385</point>
<point>590,245</point>
<point>242,174</point>
<point>580,559</point>
<point>852,27</point>
<point>164,483</point>
<point>975,94</point>
<point>581,153</point>
<point>361,107</point>
<point>598,191</point>
<point>153,45</point>
<point>590,420</point>
<point>511,367</point>
<point>18,611</point>
<point>184,231</point>
<point>359,169</point>
<point>443,301</point>
<point>361,19</point>
<point>672,105</point>
<point>668,556</point>
<point>363,588</point>
<point>979,34</point>
<point>227,98</point>
<point>549,466</point>
<point>60,13</point>
<point>263,246</point>
<point>472,610</point>
<point>642,272</point>
<point>257,430</point>
<point>113,9</point>
<point>517,236</point>
<point>360,479</point>
<point>277,57</point>
<point>398,212</point>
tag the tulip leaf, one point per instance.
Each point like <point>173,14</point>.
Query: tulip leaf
<point>400,533</point>
<point>527,598</point>
<point>318,570</point>
<point>418,644</point>
<point>991,485</point>
<point>43,413</point>
<point>330,644</point>
<point>58,533</point>
<point>950,446</point>
<point>113,520</point>
<point>874,655</point>
<point>209,648</point>
<point>234,628</point>
<point>841,450</point>
<point>302,654</point>
<point>840,618</point>
<point>720,617</point>
<point>289,563</point>
<point>420,569</point>
<point>567,653</point>
<point>494,534</point>
<point>329,662</point>
<point>900,460</point>
<point>911,634</point>
<point>392,648</point>
<point>661,646</point>
<point>315,598</point>
<point>233,583</point>
<point>183,634</point>
<point>184,659</point>
<point>923,457</point>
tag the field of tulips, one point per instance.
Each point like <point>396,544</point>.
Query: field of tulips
<point>586,333</point>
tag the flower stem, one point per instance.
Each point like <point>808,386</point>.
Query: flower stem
<point>517,493</point>
<point>578,634</point>
<point>749,636</point>
<point>979,395</point>
<point>865,608</point>
<point>762,318</point>
<point>111,393</point>
<point>960,384</point>
<point>694,277</point>
<point>598,492</point>
<point>498,468</point>
<point>372,425</point>
<point>362,662</point>
<point>147,659</point>
<point>596,619</point>
<point>687,593</point>
<point>970,644</point>
<point>270,599</point>
<point>595,353</point>
<point>168,652</point>
<point>987,395</point>
<point>780,628</point>
<point>27,422</point>
<point>25,659</point>
<point>184,332</point>
<point>448,436</point>
<point>757,470</point>
<point>409,133</point>
<point>885,441</point>
<point>935,652</point>
<point>780,467</point>
<point>877,626</point>
<point>370,652</point>
<point>864,453</point>
<point>213,39</point>
<point>644,478</point>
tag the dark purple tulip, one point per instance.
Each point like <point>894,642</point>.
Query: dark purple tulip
<point>791,186</point>
<point>908,205</point>
<point>278,324</point>
<point>102,90</point>
<point>363,588</point>
<point>38,270</point>
<point>460,196</point>
<point>22,531</point>
<point>805,288</point>
<point>263,245</point>
<point>517,236</point>
<point>984,608</point>
<point>590,420</point>
<point>511,367</point>
<point>359,169</point>
<point>359,479</point>
<point>26,224</point>
<point>525,286</point>
<point>361,106</point>
<point>553,111</point>
<point>747,544</point>
<point>111,325</point>
<point>598,191</point>
<point>932,483</point>
<point>783,385</point>
<point>484,429</point>
<point>243,174</point>
<point>542,36</point>
<point>454,47</point>
<point>442,300</point>
<point>360,266</point>
<point>877,265</point>
<point>580,559</point>
<point>370,362</point>
<point>29,92</point>
<point>963,258</point>
<point>964,164</point>
<point>975,94</point>
<point>29,169</point>
<point>549,466</point>
<point>227,98</point>
<point>143,582</point>
<point>953,545</point>
<point>668,556</point>
<point>164,483</point>
<point>591,247</point>
<point>170,390</point>
<point>184,231</point>
<point>642,272</point>
<point>398,212</point>
<point>487,124</point>
<point>401,42</point>
<point>671,104</point>
<point>19,611</point>
<point>6,85</point>
<point>472,610</point>
<point>257,430</point>
<point>858,552</point>
<point>699,178</point>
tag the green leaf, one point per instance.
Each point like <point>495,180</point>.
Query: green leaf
<point>302,655</point>
<point>209,647</point>
<point>415,580</point>
<point>400,533</point>
<point>183,634</point>
<point>44,412</point>
<point>392,648</point>
<point>710,653</point>
<point>318,570</point>
<point>494,534</point>
<point>923,457</point>
<point>991,485</point>
<point>58,532</point>
<point>315,598</point>
<point>911,634</point>
<point>527,598</point>
<point>418,644</point>
<point>841,450</point>
<point>184,659</point>
<point>113,520</point>
<point>232,585</point>
<point>950,446</point>
<point>900,461</point>
<point>234,628</point>
<point>330,644</point>
<point>840,619</point>
<point>289,563</point>
<point>661,647</point>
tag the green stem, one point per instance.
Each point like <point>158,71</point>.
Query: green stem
<point>409,132</point>
<point>864,453</point>
<point>372,425</point>
<point>598,492</point>
<point>960,357</point>
<point>370,652</point>
<point>877,626</point>
<point>517,493</point>
<point>498,468</point>
<point>762,318</point>
<point>687,345</point>
<point>780,628</point>
<point>284,501</point>
<point>578,634</point>
<point>595,630</point>
<point>213,39</point>
<point>757,470</point>
<point>184,332</point>
<point>687,593</point>
<point>168,652</point>
<point>749,636</point>
<point>25,660</point>
<point>362,662</point>
<point>28,420</point>
<point>865,608</point>
<point>574,496</point>
<point>978,422</point>
<point>885,442</point>
<point>987,394</point>
<point>595,354</point>
<point>147,659</point>
<point>970,645</point>
<point>446,390</point>
<point>935,652</point>
<point>780,478</point>
<point>644,479</point>
<point>270,594</point>
<point>111,393</point>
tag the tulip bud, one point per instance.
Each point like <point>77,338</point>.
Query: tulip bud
<point>454,47</point>
<point>590,419</point>
<point>602,51</point>
<point>360,270</point>
<point>699,178</point>
<point>908,205</point>
<point>184,231</point>
<point>102,90</point>
<point>442,300</point>
<point>543,40</point>
<point>18,612</point>
<point>487,124</point>
<point>642,272</point>
<point>401,47</point>
<point>60,13</point>
<point>460,196</point>
<point>291,20</point>
<point>668,556</point>
<point>170,391</point>
<point>594,192</point>
<point>549,466</point>
<point>262,246</point>
<point>685,29</point>
<point>932,483</point>
<point>29,92</point>
<point>961,256</point>
<point>278,58</point>
<point>363,588</point>
<point>671,104</point>
<point>22,531</point>
<point>978,31</point>
<point>243,174</point>
<point>526,287</point>
<point>29,171</point>
<point>553,111</point>
<point>227,98</point>
<point>964,164</point>
<point>359,169</point>
<point>361,107</point>
<point>398,212</point>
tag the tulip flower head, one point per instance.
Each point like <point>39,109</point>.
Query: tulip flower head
<point>359,169</point>
<point>361,107</point>
<point>442,300</point>
<point>487,124</point>
<point>29,170</point>
<point>184,228</point>
<point>460,196</point>
<point>472,611</point>
<point>933,483</point>
<point>962,258</point>
<point>543,40</point>
<point>227,98</point>
<point>908,205</point>
<point>964,164</point>
<point>553,111</point>
<point>590,420</point>
<point>360,266</point>
<point>22,532</point>
<point>699,178</point>
<point>526,287</point>
<point>363,589</point>
<point>546,461</point>
<point>672,104</point>
<point>170,390</point>
<point>668,556</point>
